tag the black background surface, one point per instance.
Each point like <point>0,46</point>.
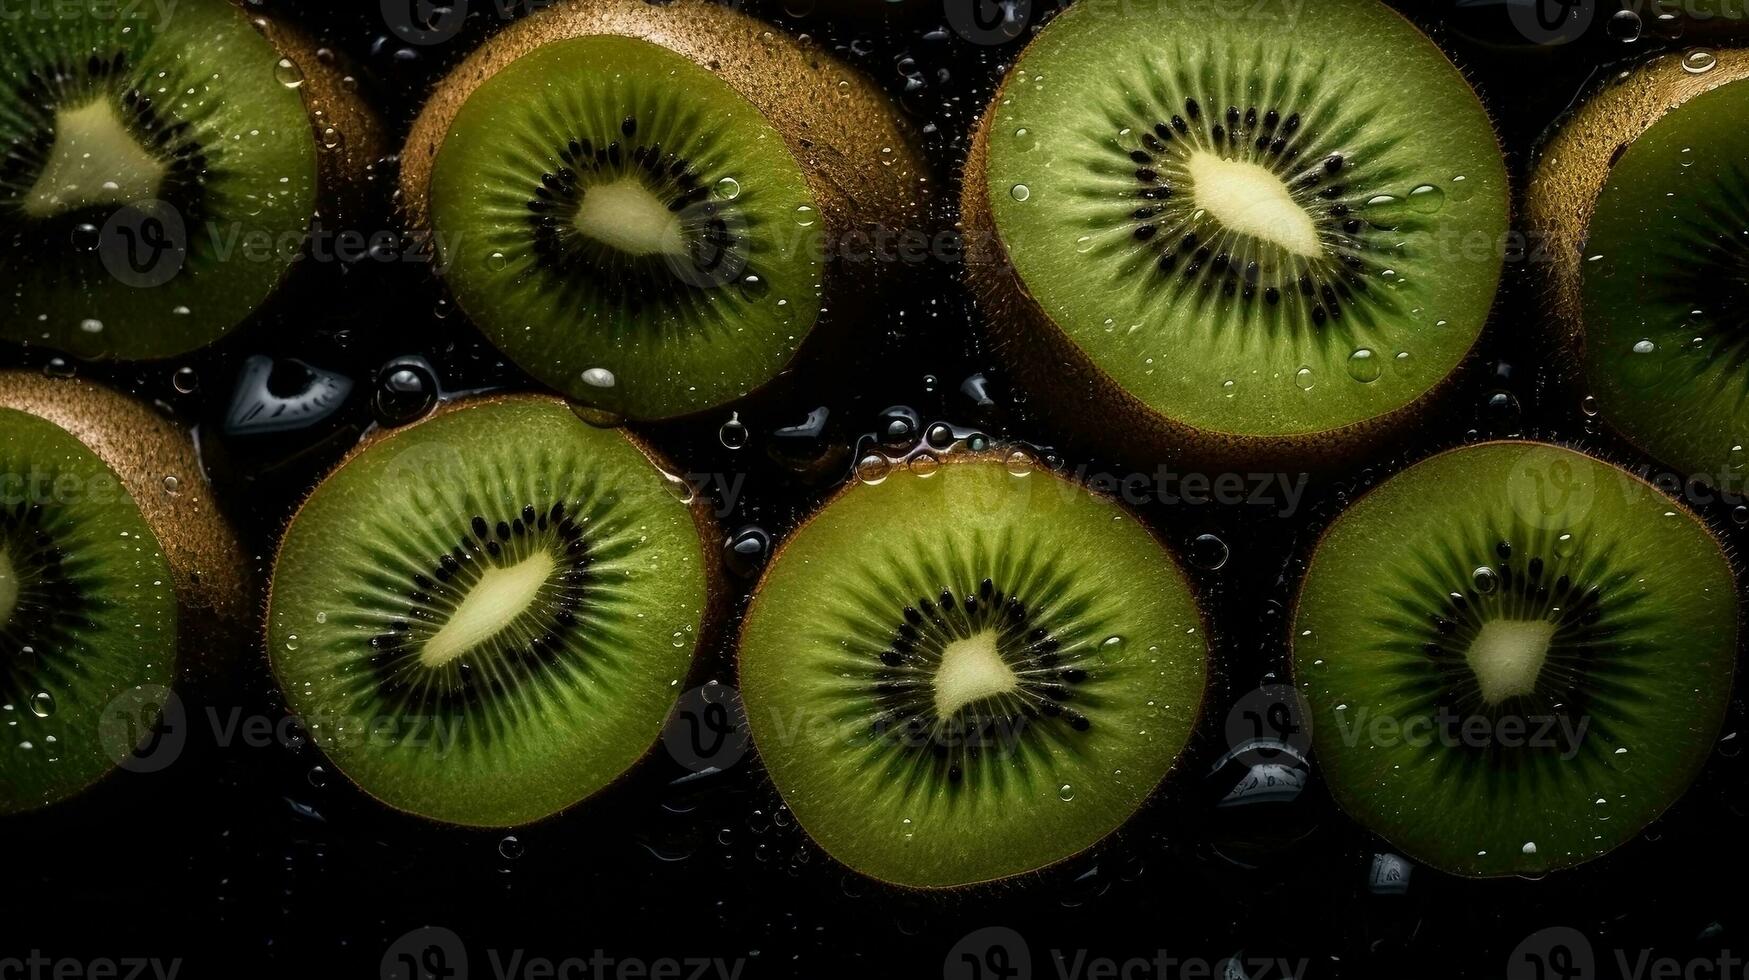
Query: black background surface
<point>248,861</point>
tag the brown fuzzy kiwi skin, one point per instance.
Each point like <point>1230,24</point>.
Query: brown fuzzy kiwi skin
<point>703,518</point>
<point>350,138</point>
<point>1199,715</point>
<point>1574,165</point>
<point>210,574</point>
<point>861,159</point>
<point>1100,411</point>
<point>1732,560</point>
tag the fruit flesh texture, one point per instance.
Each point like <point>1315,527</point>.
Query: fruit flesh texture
<point>1607,635</point>
<point>676,273</point>
<point>107,114</point>
<point>1081,703</point>
<point>87,615</point>
<point>1666,286</point>
<point>1346,220</point>
<point>463,651</point>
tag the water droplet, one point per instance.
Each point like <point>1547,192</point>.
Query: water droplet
<point>746,551</point>
<point>1462,189</point>
<point>600,378</point>
<point>728,189</point>
<point>1529,847</point>
<point>510,848</point>
<point>172,486</point>
<point>1066,793</point>
<point>185,381</point>
<point>899,425</point>
<point>58,368</point>
<point>1565,545</point>
<point>1364,366</point>
<point>805,215</point>
<point>1699,61</point>
<point>679,488</point>
<point>1020,192</point>
<point>1625,26</point>
<point>1588,405</point>
<point>91,326</point>
<point>42,704</point>
<point>1384,211</point>
<point>497,261</point>
<point>1209,552</point>
<point>924,464</point>
<point>1021,463</point>
<point>1426,199</point>
<point>733,433</point>
<point>1486,580</point>
<point>1304,379</point>
<point>873,469</point>
<point>288,73</point>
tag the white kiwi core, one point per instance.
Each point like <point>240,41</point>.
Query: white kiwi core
<point>626,216</point>
<point>495,601</point>
<point>1507,655</point>
<point>95,161</point>
<point>1247,198</point>
<point>971,670</point>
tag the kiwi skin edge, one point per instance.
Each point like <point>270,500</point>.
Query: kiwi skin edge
<point>209,571</point>
<point>1212,670</point>
<point>716,577</point>
<point>1573,167</point>
<point>344,170</point>
<point>1102,412</point>
<point>1732,560</point>
<point>861,159</point>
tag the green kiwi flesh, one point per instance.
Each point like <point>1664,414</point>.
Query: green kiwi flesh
<point>87,611</point>
<point>970,675</point>
<point>1240,229</point>
<point>487,617</point>
<point>131,138</point>
<point>1665,288</point>
<point>1516,657</point>
<point>638,239</point>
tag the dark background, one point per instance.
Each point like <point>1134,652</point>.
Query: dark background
<point>246,860</point>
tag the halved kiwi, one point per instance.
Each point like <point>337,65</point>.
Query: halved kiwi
<point>487,617</point>
<point>1241,236</point>
<point>117,575</point>
<point>964,674</point>
<point>1639,203</point>
<point>660,235</point>
<point>161,170</point>
<point>1516,656</point>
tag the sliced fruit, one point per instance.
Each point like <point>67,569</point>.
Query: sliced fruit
<point>1516,657</point>
<point>653,240</point>
<point>1230,236</point>
<point>160,177</point>
<point>1642,198</point>
<point>487,617</point>
<point>970,675</point>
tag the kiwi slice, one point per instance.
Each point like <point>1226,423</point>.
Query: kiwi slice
<point>1641,200</point>
<point>663,234</point>
<point>1229,235</point>
<point>487,617</point>
<point>117,577</point>
<point>961,674</point>
<point>1516,657</point>
<point>160,173</point>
